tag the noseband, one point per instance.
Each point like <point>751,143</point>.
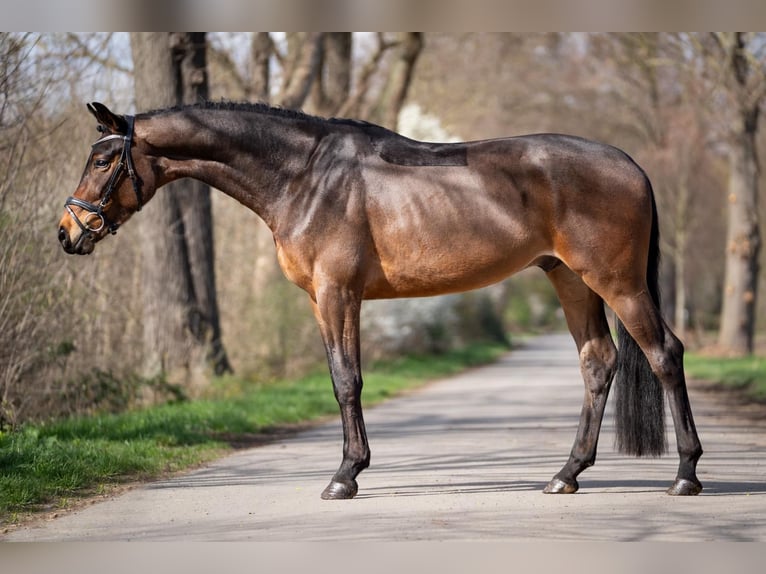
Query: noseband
<point>125,164</point>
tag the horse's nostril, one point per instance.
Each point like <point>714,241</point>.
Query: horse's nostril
<point>63,237</point>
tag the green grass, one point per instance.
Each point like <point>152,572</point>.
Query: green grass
<point>43,466</point>
<point>746,374</point>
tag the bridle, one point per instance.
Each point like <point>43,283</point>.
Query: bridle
<point>125,164</point>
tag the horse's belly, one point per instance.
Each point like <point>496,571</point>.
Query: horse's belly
<point>446,230</point>
<point>418,271</point>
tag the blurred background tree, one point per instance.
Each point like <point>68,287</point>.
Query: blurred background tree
<point>182,333</point>
<point>737,63</point>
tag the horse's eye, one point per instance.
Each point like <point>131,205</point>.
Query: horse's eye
<point>100,163</point>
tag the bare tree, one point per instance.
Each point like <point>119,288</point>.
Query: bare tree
<point>261,50</point>
<point>333,82</point>
<point>47,308</point>
<point>385,110</point>
<point>181,326</point>
<point>189,52</point>
<point>23,335</point>
<point>305,55</point>
<point>742,58</point>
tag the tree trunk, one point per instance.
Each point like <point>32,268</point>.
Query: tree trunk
<point>386,110</point>
<point>743,242</point>
<point>679,278</point>
<point>305,55</point>
<point>196,209</point>
<point>261,49</point>
<point>681,241</point>
<point>181,325</point>
<point>333,82</point>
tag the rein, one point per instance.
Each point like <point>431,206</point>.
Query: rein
<point>125,164</point>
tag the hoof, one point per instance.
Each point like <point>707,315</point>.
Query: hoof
<point>558,486</point>
<point>340,490</point>
<point>685,487</point>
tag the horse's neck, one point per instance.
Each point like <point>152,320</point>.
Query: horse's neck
<point>250,157</point>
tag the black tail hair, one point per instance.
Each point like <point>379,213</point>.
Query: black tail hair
<point>640,406</point>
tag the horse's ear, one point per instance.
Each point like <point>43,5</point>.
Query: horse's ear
<point>107,120</point>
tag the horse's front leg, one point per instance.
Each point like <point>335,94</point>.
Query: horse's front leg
<point>337,312</point>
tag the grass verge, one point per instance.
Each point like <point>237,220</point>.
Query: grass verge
<point>746,374</point>
<point>44,466</point>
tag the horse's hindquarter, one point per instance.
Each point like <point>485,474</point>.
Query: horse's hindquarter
<point>447,228</point>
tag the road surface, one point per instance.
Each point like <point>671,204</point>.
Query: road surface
<point>465,458</point>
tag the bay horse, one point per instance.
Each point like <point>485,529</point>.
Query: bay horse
<point>360,212</point>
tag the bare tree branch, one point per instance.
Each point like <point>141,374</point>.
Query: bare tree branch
<point>221,58</point>
<point>352,105</point>
<point>82,50</point>
<point>386,109</point>
<point>298,84</point>
<point>333,82</point>
<point>261,49</point>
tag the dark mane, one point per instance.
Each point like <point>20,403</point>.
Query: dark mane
<point>259,108</point>
<point>391,146</point>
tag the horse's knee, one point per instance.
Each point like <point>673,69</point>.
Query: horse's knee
<point>346,384</point>
<point>347,393</point>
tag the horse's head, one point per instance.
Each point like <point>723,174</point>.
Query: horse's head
<point>111,188</point>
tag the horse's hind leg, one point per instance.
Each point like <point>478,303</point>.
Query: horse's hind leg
<point>584,311</point>
<point>665,353</point>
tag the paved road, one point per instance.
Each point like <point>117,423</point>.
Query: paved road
<point>464,459</point>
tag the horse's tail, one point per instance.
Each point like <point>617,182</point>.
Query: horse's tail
<point>640,412</point>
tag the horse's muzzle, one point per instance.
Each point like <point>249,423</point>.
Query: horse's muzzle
<point>83,246</point>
